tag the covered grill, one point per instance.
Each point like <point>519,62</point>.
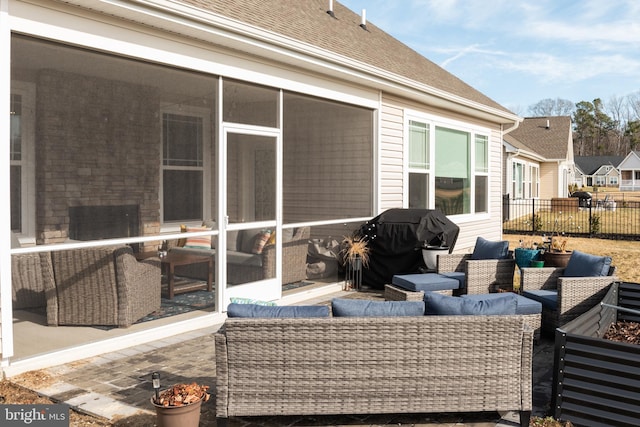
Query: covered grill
<point>396,237</point>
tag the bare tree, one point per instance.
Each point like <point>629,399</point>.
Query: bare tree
<point>552,107</point>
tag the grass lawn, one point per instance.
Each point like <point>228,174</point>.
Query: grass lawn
<point>625,254</point>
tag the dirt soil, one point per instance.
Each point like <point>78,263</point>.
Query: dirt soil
<point>624,254</point>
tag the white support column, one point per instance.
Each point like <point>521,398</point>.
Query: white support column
<point>6,314</point>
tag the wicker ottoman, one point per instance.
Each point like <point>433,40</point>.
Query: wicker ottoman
<point>411,287</point>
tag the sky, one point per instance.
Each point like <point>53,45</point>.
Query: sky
<point>519,52</point>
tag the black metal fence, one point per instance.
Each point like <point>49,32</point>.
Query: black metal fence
<point>605,219</point>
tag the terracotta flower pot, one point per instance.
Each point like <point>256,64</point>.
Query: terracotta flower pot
<point>178,416</point>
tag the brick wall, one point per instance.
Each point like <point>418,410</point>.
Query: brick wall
<point>97,143</point>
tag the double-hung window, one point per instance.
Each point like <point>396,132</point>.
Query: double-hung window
<point>184,135</point>
<point>448,167</point>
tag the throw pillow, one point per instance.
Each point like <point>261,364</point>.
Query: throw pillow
<point>198,242</point>
<point>261,241</point>
<point>247,239</point>
<point>586,265</point>
<point>212,226</point>
<point>272,239</point>
<point>287,235</point>
<point>486,249</point>
<point>343,307</point>
<point>263,311</point>
<point>181,242</point>
<point>239,300</point>
<point>445,305</point>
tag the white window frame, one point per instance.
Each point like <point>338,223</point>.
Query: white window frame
<point>27,91</point>
<point>205,115</point>
<point>432,122</point>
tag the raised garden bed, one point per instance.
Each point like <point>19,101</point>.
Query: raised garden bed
<point>597,380</point>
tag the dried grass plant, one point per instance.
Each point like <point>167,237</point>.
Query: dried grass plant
<point>355,246</point>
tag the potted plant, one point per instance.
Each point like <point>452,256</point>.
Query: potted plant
<point>180,404</point>
<point>355,256</point>
<point>555,252</point>
<point>548,422</point>
<point>527,253</point>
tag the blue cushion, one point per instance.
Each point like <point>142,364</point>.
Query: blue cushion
<point>523,305</point>
<point>486,249</point>
<point>586,265</point>
<point>548,299</point>
<point>445,305</point>
<point>265,311</point>
<point>425,282</point>
<point>363,308</point>
<point>460,276</point>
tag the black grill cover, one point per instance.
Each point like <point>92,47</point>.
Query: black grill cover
<point>395,238</point>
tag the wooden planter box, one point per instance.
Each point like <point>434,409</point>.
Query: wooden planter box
<point>564,204</point>
<point>596,381</point>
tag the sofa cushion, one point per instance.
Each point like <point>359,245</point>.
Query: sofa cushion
<point>198,242</point>
<point>445,305</point>
<point>460,276</point>
<point>343,307</point>
<point>523,305</point>
<point>264,311</point>
<point>586,265</point>
<point>548,299</point>
<point>233,237</point>
<point>425,282</point>
<point>242,258</point>
<point>486,249</point>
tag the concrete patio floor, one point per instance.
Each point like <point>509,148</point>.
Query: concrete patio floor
<point>117,385</point>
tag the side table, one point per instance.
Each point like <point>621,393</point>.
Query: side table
<point>172,259</point>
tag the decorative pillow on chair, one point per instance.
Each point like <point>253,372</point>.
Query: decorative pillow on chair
<point>445,305</point>
<point>586,265</point>
<point>486,249</point>
<point>198,242</point>
<point>240,300</point>
<point>261,241</point>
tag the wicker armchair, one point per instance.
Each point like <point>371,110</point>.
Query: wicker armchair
<point>482,276</point>
<point>102,286</point>
<point>31,275</point>
<point>575,295</point>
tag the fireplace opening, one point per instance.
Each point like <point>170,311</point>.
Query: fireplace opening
<point>103,222</point>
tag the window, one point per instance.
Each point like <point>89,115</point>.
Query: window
<point>534,190</point>
<point>458,176</point>
<point>21,152</point>
<point>183,164</point>
<point>418,165</point>
<point>517,186</point>
<point>613,180</point>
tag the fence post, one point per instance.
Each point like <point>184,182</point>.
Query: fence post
<point>533,215</point>
<point>590,230</point>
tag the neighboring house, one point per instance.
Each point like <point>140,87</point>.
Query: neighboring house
<point>600,171</point>
<point>629,169</point>
<point>128,119</point>
<point>539,158</point>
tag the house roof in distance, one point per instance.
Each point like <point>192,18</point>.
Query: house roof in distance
<point>590,164</point>
<point>547,136</point>
<point>308,21</point>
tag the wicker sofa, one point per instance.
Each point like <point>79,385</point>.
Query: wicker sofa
<point>91,286</point>
<point>365,365</point>
<point>244,266</point>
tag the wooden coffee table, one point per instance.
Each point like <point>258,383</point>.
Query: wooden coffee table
<point>172,259</point>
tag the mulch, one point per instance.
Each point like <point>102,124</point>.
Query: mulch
<point>627,332</point>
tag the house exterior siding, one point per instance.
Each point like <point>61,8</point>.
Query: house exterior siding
<point>186,46</point>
